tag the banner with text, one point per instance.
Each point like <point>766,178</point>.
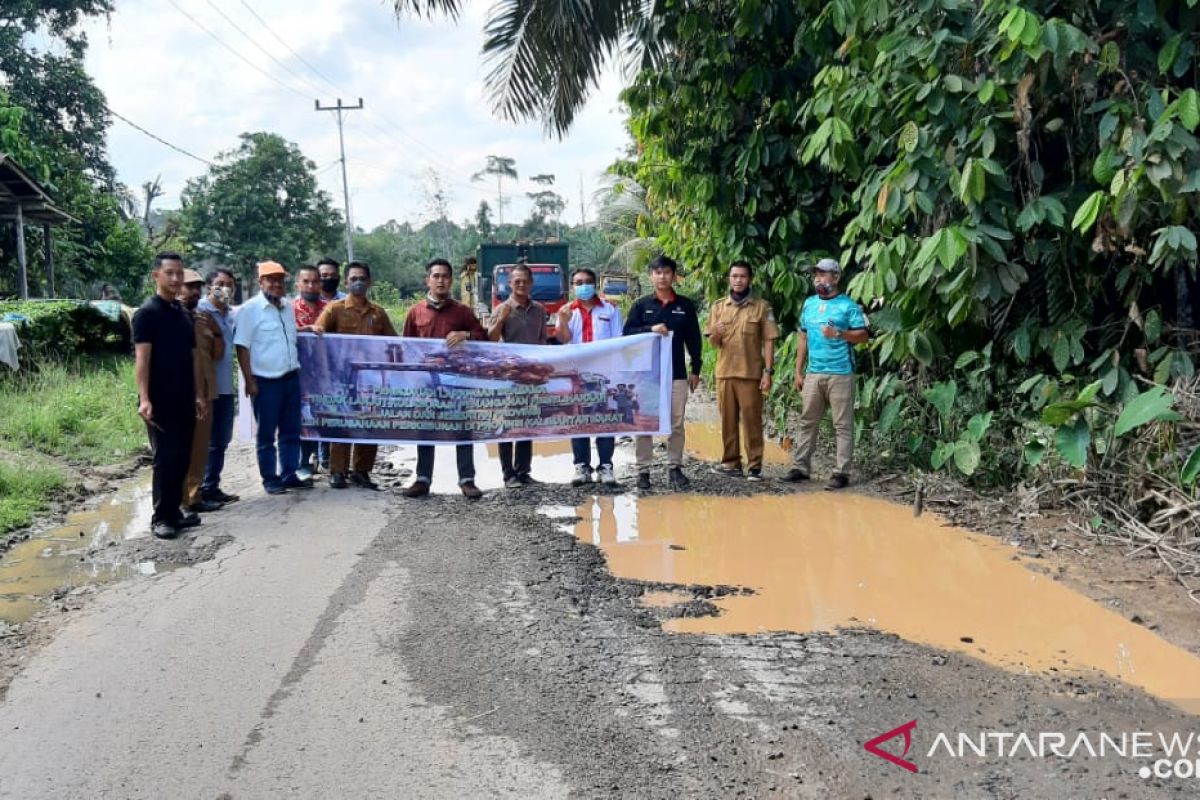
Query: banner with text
<point>392,390</point>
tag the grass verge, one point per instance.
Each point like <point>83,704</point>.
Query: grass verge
<point>25,492</point>
<point>83,412</point>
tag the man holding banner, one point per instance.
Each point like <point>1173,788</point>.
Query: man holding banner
<point>438,316</point>
<point>664,313</point>
<point>519,320</point>
<point>358,316</point>
<point>589,319</point>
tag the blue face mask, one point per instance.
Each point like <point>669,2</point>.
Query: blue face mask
<point>585,291</point>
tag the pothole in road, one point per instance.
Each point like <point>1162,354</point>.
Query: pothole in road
<point>817,562</point>
<point>82,551</point>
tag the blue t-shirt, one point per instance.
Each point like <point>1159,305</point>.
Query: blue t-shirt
<point>830,356</point>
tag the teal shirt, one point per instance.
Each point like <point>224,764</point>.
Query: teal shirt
<point>830,356</point>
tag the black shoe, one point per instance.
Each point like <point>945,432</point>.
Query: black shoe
<point>643,481</point>
<point>754,475</point>
<point>837,480</point>
<point>205,507</point>
<point>528,480</point>
<point>337,480</point>
<point>417,489</point>
<point>217,496</point>
<point>164,530</point>
<point>728,472</point>
<point>676,479</point>
<point>189,520</point>
<point>296,482</point>
<point>795,475</point>
<point>363,481</point>
<point>275,488</point>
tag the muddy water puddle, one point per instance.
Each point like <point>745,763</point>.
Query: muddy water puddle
<point>553,462</point>
<point>817,562</point>
<point>75,554</point>
<point>702,440</point>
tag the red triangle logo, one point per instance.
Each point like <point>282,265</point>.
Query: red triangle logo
<point>904,730</point>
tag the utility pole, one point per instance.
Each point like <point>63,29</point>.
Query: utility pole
<point>339,108</point>
<point>582,205</point>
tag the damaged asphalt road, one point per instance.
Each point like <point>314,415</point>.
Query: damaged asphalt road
<point>354,644</point>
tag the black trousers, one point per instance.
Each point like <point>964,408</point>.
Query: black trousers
<point>524,461</point>
<point>171,442</point>
<point>464,454</point>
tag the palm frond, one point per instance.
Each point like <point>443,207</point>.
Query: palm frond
<point>427,8</point>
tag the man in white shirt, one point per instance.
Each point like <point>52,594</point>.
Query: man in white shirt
<point>589,319</point>
<point>265,337</point>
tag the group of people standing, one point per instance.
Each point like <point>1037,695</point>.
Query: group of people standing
<point>187,336</point>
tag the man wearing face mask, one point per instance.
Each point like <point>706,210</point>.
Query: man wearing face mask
<point>330,275</point>
<point>266,351</point>
<point>308,305</point>
<point>356,315</point>
<point>589,319</point>
<point>210,346</point>
<point>221,283</point>
<point>830,324</point>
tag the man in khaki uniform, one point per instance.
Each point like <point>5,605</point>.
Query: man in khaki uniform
<point>358,316</point>
<point>743,330</point>
<point>210,347</point>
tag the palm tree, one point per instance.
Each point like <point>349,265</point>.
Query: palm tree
<point>623,213</point>
<point>502,167</point>
<point>544,58</point>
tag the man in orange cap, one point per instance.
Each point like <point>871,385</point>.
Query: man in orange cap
<point>266,349</point>
<point>210,347</point>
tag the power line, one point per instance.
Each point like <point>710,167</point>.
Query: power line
<point>425,151</point>
<point>241,57</point>
<point>158,138</point>
<point>286,46</point>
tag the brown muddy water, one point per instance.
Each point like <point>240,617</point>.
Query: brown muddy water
<point>818,562</point>
<point>77,553</point>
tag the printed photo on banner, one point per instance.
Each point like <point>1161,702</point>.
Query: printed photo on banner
<point>394,390</point>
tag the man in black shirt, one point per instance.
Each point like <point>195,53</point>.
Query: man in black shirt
<point>163,343</point>
<point>665,312</point>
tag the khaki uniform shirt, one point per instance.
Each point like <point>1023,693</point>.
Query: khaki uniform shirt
<point>747,328</point>
<point>366,320</point>
<point>210,347</point>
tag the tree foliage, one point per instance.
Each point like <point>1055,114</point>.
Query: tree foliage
<point>259,201</point>
<point>1026,174</point>
<point>55,121</point>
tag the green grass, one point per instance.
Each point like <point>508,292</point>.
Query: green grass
<point>24,493</point>
<point>83,412</point>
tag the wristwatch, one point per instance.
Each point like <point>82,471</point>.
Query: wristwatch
<point>769,370</point>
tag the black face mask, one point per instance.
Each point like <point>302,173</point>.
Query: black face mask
<point>329,285</point>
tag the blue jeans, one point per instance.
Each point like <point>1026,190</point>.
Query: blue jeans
<point>309,447</point>
<point>277,409</point>
<point>222,434</point>
<point>582,448</point>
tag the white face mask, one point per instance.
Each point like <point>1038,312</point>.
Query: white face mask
<point>222,294</point>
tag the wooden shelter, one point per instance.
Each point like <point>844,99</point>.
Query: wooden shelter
<point>24,201</point>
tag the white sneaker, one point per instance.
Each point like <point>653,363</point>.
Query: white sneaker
<point>607,476</point>
<point>583,475</point>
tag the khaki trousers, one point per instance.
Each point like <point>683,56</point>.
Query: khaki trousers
<point>740,399</point>
<point>835,392</point>
<point>362,460</point>
<point>195,474</point>
<point>644,448</point>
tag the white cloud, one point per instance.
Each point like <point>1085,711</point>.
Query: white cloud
<point>421,82</point>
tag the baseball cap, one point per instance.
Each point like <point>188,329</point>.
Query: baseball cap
<point>191,276</point>
<point>827,265</point>
<point>270,268</point>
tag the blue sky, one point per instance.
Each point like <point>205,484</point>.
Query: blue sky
<point>422,83</point>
